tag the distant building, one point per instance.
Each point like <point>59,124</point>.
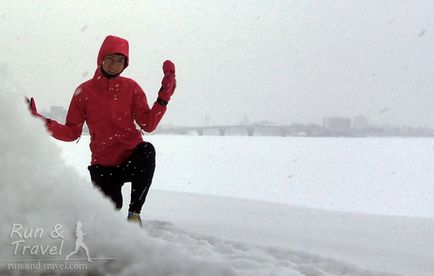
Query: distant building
<point>360,122</point>
<point>338,124</point>
<point>57,113</point>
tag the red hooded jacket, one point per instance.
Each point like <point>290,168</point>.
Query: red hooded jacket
<point>110,107</point>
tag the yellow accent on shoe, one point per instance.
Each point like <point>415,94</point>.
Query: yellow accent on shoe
<point>134,218</point>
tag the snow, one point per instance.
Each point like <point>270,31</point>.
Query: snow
<point>227,205</point>
<point>388,176</point>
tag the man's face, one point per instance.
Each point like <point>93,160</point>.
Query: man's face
<point>113,64</point>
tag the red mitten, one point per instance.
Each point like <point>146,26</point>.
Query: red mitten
<point>168,84</point>
<point>32,108</point>
<point>168,67</point>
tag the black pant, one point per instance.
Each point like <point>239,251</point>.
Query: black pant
<point>138,169</point>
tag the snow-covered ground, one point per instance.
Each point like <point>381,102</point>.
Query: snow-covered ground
<point>390,176</point>
<point>223,205</point>
<point>357,178</point>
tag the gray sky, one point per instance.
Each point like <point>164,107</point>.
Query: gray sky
<point>282,61</point>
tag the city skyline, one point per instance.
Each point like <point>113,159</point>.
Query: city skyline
<point>358,126</point>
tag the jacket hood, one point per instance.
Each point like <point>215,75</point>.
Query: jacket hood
<point>113,45</point>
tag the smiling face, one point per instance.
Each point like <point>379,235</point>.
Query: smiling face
<point>113,64</point>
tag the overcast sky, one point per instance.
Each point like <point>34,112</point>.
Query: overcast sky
<point>281,61</point>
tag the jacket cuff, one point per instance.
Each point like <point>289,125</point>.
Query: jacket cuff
<point>162,102</point>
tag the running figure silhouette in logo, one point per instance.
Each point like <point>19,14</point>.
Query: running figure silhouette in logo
<point>79,242</point>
